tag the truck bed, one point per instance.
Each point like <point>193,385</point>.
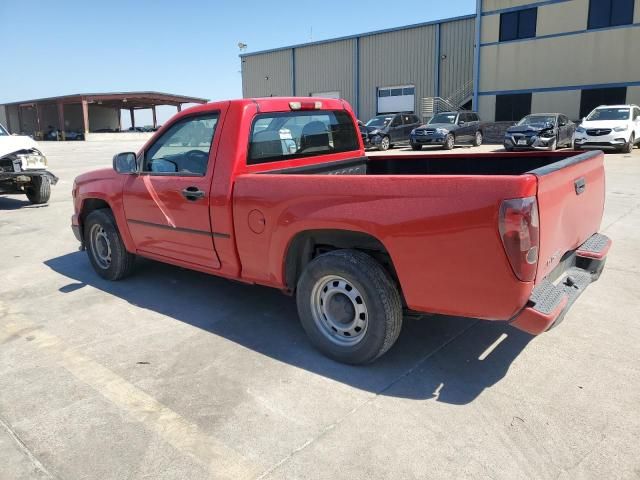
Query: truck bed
<point>436,211</point>
<point>499,163</point>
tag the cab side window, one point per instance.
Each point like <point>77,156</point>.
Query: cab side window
<point>397,121</point>
<point>184,148</point>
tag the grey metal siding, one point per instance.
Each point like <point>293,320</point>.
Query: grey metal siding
<point>403,57</point>
<point>456,42</point>
<point>267,75</point>
<point>327,67</point>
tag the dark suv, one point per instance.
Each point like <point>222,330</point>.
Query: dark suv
<point>384,131</point>
<point>448,128</point>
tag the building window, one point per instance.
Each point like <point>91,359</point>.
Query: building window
<point>610,13</point>
<point>595,97</point>
<point>512,107</point>
<point>518,24</point>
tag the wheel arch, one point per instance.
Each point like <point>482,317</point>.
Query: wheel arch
<point>308,244</point>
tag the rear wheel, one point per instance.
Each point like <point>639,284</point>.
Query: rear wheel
<point>449,142</point>
<point>384,144</point>
<point>477,141</point>
<point>349,306</point>
<point>628,147</point>
<point>416,147</point>
<point>39,191</point>
<point>106,251</point>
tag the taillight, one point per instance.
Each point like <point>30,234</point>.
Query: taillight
<point>519,226</point>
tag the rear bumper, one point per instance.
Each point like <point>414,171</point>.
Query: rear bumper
<point>552,298</point>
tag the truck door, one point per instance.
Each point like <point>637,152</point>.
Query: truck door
<point>167,203</point>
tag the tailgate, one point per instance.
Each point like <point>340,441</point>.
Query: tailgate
<point>570,202</point>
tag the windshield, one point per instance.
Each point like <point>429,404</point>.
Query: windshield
<point>449,118</point>
<point>3,132</point>
<point>537,120</point>
<point>609,114</point>
<point>379,121</point>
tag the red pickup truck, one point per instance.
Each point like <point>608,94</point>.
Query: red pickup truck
<point>279,192</point>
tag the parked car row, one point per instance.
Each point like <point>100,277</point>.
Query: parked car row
<point>444,129</point>
<point>614,127</point>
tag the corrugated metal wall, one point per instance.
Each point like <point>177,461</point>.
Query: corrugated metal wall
<point>456,42</point>
<point>267,74</point>
<point>397,57</point>
<point>402,57</point>
<point>327,67</point>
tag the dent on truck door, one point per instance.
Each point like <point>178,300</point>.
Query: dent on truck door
<point>167,204</point>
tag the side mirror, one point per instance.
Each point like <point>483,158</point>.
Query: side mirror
<point>125,163</point>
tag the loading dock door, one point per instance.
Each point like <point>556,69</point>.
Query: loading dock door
<point>326,94</point>
<point>396,99</point>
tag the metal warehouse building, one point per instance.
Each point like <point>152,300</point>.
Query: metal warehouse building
<point>377,72</point>
<point>564,56</point>
<point>553,55</point>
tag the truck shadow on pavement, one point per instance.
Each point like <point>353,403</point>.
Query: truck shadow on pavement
<point>8,203</point>
<point>448,359</point>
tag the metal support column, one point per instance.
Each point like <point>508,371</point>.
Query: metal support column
<point>153,112</point>
<point>293,72</point>
<point>85,116</point>
<point>61,126</point>
<point>356,76</point>
<point>438,61</point>
<point>133,119</point>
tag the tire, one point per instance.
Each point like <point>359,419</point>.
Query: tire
<point>416,147</point>
<point>40,190</point>
<point>508,149</point>
<point>105,248</point>
<point>349,290</point>
<point>628,147</point>
<point>477,140</point>
<point>449,142</point>
<point>385,144</point>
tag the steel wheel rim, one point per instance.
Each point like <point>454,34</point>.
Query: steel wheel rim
<point>478,138</point>
<point>450,142</point>
<point>100,246</point>
<point>339,310</point>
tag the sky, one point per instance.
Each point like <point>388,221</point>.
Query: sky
<point>187,47</point>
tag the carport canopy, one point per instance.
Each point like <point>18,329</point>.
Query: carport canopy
<point>87,111</point>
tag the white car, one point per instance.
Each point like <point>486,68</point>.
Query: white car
<point>23,168</point>
<point>614,127</point>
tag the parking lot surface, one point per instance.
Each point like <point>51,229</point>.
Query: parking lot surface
<point>176,374</point>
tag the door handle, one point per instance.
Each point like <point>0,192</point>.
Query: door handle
<point>192,193</point>
<point>580,186</point>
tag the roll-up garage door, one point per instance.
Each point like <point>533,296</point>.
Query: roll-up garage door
<point>396,99</point>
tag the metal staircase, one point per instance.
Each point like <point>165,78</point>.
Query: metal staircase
<point>433,105</point>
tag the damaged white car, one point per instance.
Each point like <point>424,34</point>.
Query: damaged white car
<point>23,168</point>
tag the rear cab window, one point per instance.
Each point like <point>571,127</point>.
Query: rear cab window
<point>292,135</point>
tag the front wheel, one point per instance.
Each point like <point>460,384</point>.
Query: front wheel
<point>477,141</point>
<point>449,142</point>
<point>384,144</point>
<point>105,248</point>
<point>39,191</point>
<point>349,306</point>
